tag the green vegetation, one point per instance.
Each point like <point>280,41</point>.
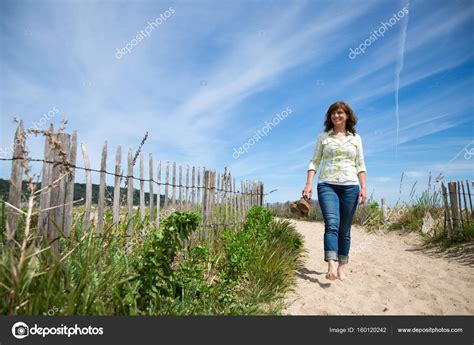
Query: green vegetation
<point>244,272</point>
<point>412,219</point>
<point>369,214</point>
<point>459,235</point>
<point>409,217</point>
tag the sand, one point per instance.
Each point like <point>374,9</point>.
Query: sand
<point>388,274</point>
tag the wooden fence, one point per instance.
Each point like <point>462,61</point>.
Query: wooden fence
<point>215,195</point>
<point>457,203</point>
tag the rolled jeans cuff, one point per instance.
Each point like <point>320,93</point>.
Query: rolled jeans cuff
<point>343,259</point>
<point>330,255</point>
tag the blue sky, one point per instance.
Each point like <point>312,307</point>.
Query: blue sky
<point>209,76</point>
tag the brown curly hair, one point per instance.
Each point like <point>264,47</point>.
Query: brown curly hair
<point>351,117</point>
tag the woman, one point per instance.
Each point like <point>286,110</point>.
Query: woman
<point>340,149</point>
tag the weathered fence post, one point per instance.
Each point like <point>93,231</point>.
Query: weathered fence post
<point>226,196</point>
<point>459,202</point>
<point>158,195</point>
<point>151,193</point>
<point>101,206</point>
<point>465,204</point>
<point>213,195</point>
<point>250,196</point>
<point>173,196</point>
<point>87,214</point>
<point>142,188</point>
<point>205,198</point>
<point>234,196</point>
<point>58,196</point>
<point>470,199</point>
<point>46,172</point>
<point>198,185</point>
<point>447,219</point>
<point>193,191</point>
<point>70,180</point>
<point>384,210</point>
<point>118,168</point>
<point>187,188</point>
<point>14,195</point>
<point>130,193</point>
<point>165,202</point>
<point>246,200</point>
<point>454,204</point>
<point>180,189</point>
<point>56,199</point>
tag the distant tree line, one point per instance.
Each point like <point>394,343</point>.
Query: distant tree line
<point>80,192</point>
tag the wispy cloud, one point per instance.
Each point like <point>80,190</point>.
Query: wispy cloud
<point>382,178</point>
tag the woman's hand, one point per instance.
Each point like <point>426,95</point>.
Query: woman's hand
<point>362,195</point>
<point>308,191</point>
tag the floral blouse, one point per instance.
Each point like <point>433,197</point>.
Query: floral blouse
<point>342,160</point>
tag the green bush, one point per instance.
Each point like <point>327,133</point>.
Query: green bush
<point>154,264</point>
<point>257,220</point>
<point>458,235</point>
<point>240,248</point>
<point>243,247</point>
<point>463,234</point>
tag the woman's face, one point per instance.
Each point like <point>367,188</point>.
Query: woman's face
<point>338,117</point>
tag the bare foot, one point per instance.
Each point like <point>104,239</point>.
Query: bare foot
<point>341,271</point>
<point>332,273</point>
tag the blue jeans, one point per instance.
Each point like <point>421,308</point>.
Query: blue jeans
<point>338,204</point>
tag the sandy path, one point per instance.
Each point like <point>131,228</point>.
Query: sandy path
<point>387,275</point>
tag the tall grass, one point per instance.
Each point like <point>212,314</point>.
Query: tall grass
<point>245,272</point>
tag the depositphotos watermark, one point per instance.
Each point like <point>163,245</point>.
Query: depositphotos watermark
<point>263,131</point>
<point>374,35</point>
<point>5,152</point>
<point>467,153</point>
<point>144,33</point>
<point>21,330</point>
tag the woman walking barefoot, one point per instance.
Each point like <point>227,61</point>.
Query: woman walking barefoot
<point>343,169</point>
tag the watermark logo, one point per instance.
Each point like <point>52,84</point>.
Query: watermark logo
<point>144,33</point>
<point>263,131</point>
<point>469,153</point>
<point>51,312</point>
<point>374,35</point>
<point>20,330</point>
